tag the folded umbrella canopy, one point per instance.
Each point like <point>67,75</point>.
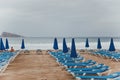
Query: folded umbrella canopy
<point>99,44</point>
<point>73,49</point>
<point>87,43</point>
<point>2,47</point>
<point>112,47</point>
<point>55,45</point>
<point>7,44</point>
<point>65,49</point>
<point>23,44</point>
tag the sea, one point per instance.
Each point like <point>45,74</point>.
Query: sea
<point>45,43</point>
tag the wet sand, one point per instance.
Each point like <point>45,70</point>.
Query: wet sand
<point>31,66</point>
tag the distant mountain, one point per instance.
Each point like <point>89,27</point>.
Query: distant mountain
<point>7,34</point>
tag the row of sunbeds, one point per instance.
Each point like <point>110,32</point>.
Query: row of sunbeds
<point>107,54</point>
<point>83,69</point>
<point>5,58</point>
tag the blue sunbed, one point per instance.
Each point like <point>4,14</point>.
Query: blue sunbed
<point>86,63</point>
<point>87,68</point>
<point>94,71</point>
<point>113,76</point>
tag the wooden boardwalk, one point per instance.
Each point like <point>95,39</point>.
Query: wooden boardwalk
<point>31,66</point>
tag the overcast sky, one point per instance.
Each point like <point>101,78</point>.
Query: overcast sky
<point>60,17</point>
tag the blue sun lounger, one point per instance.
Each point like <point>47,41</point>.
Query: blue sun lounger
<point>93,71</point>
<point>86,63</point>
<point>113,76</point>
<point>70,60</point>
<point>108,54</point>
<point>86,68</point>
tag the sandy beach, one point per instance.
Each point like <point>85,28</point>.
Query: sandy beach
<point>33,65</point>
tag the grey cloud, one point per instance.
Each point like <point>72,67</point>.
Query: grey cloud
<point>60,17</point>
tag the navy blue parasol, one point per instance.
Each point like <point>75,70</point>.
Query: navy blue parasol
<point>2,47</point>
<point>112,47</point>
<point>23,44</point>
<point>7,44</point>
<point>87,43</point>
<point>73,49</point>
<point>55,45</point>
<point>99,44</point>
<point>65,49</point>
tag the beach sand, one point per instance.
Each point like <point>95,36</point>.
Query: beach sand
<point>35,66</point>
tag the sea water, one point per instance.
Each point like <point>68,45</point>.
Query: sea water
<point>33,43</point>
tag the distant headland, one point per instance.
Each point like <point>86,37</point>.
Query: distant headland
<point>8,34</point>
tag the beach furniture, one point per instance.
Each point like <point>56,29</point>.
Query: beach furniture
<point>89,69</point>
<point>7,44</point>
<point>108,54</point>
<point>6,58</point>
<point>22,44</point>
<point>113,76</point>
<point>65,57</point>
<point>2,47</point>
<point>91,72</point>
<point>80,64</point>
<point>111,47</point>
<point>61,59</point>
<point>55,45</point>
<point>65,48</point>
<point>73,53</point>
<point>87,43</point>
<point>98,66</point>
<point>99,44</point>
<point>70,60</point>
